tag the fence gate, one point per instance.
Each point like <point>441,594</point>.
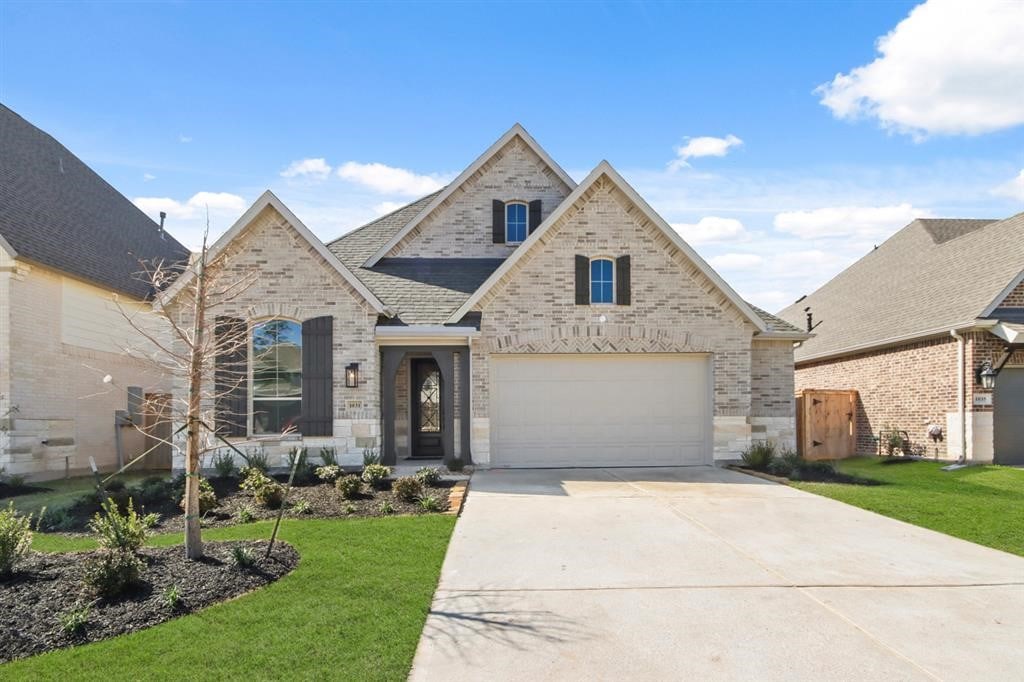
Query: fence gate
<point>826,424</point>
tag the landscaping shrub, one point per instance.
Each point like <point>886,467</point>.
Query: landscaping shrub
<point>456,465</point>
<point>55,519</point>
<point>109,572</point>
<point>301,507</point>
<point>785,463</point>
<point>257,459</point>
<point>759,455</point>
<point>303,469</point>
<point>386,507</point>
<point>429,476</point>
<point>266,491</point>
<point>117,530</point>
<point>172,597</point>
<point>407,488</point>
<point>430,503</point>
<point>15,538</point>
<point>375,475</point>
<point>349,486</point>
<point>329,473</point>
<point>207,498</point>
<point>370,456</point>
<point>224,464</point>
<point>246,514</point>
<point>243,557</point>
<point>73,622</point>
<point>329,457</point>
<point>155,489</point>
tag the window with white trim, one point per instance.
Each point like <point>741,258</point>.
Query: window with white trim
<point>602,280</point>
<point>516,222</point>
<point>276,376</point>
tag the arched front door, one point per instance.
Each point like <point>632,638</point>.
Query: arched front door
<point>427,419</point>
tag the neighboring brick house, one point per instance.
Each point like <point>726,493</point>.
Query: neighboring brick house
<point>913,324</point>
<point>68,241</point>
<point>514,318</point>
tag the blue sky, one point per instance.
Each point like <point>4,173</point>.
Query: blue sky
<point>806,140</point>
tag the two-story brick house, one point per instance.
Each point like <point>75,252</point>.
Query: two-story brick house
<point>513,318</point>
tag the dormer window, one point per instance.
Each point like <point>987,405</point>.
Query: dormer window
<point>515,222</point>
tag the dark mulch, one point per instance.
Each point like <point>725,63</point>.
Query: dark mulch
<point>814,474</point>
<point>8,490</point>
<point>47,585</point>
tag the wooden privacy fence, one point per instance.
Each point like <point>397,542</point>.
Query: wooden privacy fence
<point>826,424</point>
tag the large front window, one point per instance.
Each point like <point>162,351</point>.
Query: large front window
<point>276,376</point>
<point>515,223</point>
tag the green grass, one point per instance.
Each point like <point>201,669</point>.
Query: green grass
<point>353,609</point>
<point>983,504</point>
<point>64,491</point>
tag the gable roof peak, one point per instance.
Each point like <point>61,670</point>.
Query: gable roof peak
<point>517,130</point>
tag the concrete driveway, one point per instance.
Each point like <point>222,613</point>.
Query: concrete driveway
<point>701,573</point>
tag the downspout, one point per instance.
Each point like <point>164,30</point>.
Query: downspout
<point>961,393</point>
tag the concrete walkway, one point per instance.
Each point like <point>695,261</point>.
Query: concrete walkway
<point>700,574</point>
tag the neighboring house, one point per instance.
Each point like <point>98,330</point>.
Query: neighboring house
<point>67,241</point>
<point>514,318</point>
<point>913,325</point>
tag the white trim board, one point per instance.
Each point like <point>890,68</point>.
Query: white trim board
<point>269,199</point>
<point>515,131</point>
<point>605,169</point>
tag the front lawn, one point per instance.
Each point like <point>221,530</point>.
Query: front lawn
<point>353,609</point>
<point>983,504</point>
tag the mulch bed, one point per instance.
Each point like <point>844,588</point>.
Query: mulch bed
<point>812,476</point>
<point>8,490</point>
<point>47,585</point>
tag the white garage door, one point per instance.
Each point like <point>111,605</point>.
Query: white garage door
<point>600,410</point>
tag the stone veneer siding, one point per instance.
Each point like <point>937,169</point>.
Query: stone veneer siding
<point>296,283</point>
<point>461,226</point>
<point>674,309</point>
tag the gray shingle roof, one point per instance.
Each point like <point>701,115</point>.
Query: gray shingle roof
<point>775,324</point>
<point>56,211</point>
<point>932,275</point>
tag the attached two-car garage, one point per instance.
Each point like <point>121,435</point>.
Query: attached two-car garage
<point>596,410</point>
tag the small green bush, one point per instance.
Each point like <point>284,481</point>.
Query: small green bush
<point>430,503</point>
<point>759,455</point>
<point>329,457</point>
<point>224,464</point>
<point>172,597</point>
<point>429,476</point>
<point>407,488</point>
<point>786,463</point>
<point>155,490</point>
<point>55,519</point>
<point>371,456</point>
<point>207,498</point>
<point>350,509</point>
<point>385,507</point>
<point>15,538</point>
<point>349,486</point>
<point>73,622</point>
<point>456,466</point>
<point>109,572</point>
<point>117,530</point>
<point>246,514</point>
<point>243,557</point>
<point>266,491</point>
<point>329,473</point>
<point>17,480</point>
<point>302,507</point>
<point>257,459</point>
<point>375,475</point>
<point>303,469</point>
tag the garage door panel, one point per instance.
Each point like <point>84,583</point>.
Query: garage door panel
<point>600,410</point>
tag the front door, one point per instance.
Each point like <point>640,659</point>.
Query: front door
<point>427,420</point>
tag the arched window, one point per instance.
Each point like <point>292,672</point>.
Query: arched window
<point>602,280</point>
<point>276,375</point>
<point>515,222</point>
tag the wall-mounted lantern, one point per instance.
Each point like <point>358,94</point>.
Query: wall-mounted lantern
<point>987,375</point>
<point>352,375</point>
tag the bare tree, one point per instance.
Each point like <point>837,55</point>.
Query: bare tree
<point>181,337</point>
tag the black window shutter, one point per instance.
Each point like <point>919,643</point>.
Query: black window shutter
<point>317,377</point>
<point>622,280</point>
<point>534,215</point>
<point>231,376</point>
<point>498,221</point>
<point>582,280</point>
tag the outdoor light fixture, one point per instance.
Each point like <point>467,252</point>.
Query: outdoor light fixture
<point>986,375</point>
<point>352,375</point>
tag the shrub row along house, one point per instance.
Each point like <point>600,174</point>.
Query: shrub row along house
<point>514,318</point>
<point>67,240</point>
<point>929,329</point>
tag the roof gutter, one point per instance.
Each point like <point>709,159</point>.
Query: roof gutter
<point>978,324</point>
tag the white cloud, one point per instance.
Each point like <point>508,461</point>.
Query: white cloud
<point>316,169</point>
<point>186,220</point>
<point>736,261</point>
<point>711,229</point>
<point>385,207</point>
<point>950,67</point>
<point>184,139</point>
<point>865,222</point>
<point>148,177</point>
<point>696,147</point>
<point>389,180</point>
<point>1013,188</point>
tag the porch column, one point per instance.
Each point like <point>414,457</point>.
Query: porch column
<point>445,360</point>
<point>391,358</point>
<point>466,428</point>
